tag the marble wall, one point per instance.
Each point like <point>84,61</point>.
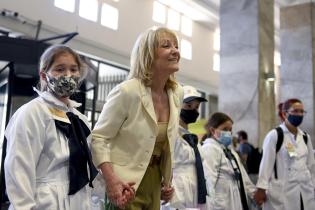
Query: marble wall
<point>297,34</point>
<point>247,48</point>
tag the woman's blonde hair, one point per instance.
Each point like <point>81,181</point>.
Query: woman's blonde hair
<point>143,55</point>
<point>49,57</point>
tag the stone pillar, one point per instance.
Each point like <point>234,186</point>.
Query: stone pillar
<point>297,36</point>
<point>247,49</point>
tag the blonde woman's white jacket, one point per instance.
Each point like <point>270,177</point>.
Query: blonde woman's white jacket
<point>127,128</point>
<point>222,186</point>
<point>296,174</point>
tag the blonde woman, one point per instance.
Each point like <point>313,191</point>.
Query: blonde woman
<point>134,137</point>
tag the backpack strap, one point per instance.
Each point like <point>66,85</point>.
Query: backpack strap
<point>278,146</point>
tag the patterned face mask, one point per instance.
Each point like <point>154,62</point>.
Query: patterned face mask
<point>63,86</point>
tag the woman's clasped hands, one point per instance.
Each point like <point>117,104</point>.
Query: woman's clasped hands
<point>120,193</point>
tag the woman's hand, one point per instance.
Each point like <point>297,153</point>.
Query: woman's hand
<point>118,192</point>
<point>129,192</point>
<point>260,196</point>
<point>166,193</point>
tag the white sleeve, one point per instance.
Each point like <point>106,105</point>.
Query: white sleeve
<point>25,133</point>
<point>212,159</point>
<point>266,168</point>
<point>310,158</point>
<point>204,161</point>
<point>113,115</point>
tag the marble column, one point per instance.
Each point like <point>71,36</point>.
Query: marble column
<point>297,48</point>
<point>247,49</point>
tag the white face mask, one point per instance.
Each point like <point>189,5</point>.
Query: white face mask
<point>63,86</point>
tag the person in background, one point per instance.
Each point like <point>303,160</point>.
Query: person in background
<point>245,149</point>
<point>133,140</point>
<point>48,163</point>
<point>287,171</point>
<point>235,144</point>
<point>188,176</point>
<point>228,183</point>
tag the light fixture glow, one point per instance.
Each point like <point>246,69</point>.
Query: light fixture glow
<point>173,20</point>
<point>277,58</point>
<point>269,77</point>
<point>67,5</point>
<point>186,49</point>
<point>159,12</point>
<point>109,16</point>
<point>216,40</point>
<point>186,26</point>
<point>89,9</point>
<point>216,62</point>
<point>185,9</point>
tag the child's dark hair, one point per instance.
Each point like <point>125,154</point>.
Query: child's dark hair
<point>216,120</point>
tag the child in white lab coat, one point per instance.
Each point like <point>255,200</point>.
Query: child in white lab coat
<point>229,185</point>
<point>48,163</point>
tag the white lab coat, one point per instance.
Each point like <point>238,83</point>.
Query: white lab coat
<point>222,186</point>
<point>296,174</point>
<point>184,175</point>
<point>36,165</point>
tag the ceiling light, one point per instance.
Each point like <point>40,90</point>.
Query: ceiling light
<point>189,9</point>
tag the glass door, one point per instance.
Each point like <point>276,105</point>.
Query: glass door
<point>4,113</point>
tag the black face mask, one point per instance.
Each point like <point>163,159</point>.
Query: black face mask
<point>189,116</point>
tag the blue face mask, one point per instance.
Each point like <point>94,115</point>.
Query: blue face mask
<point>295,120</point>
<point>225,138</point>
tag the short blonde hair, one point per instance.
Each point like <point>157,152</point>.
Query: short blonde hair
<point>49,56</point>
<point>143,55</point>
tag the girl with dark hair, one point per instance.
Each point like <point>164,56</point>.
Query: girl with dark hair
<point>287,170</point>
<point>228,183</point>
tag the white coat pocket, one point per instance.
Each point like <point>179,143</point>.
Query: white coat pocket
<point>275,193</point>
<point>46,199</point>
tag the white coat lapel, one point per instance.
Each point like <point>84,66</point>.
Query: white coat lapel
<point>146,99</point>
<point>174,104</point>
